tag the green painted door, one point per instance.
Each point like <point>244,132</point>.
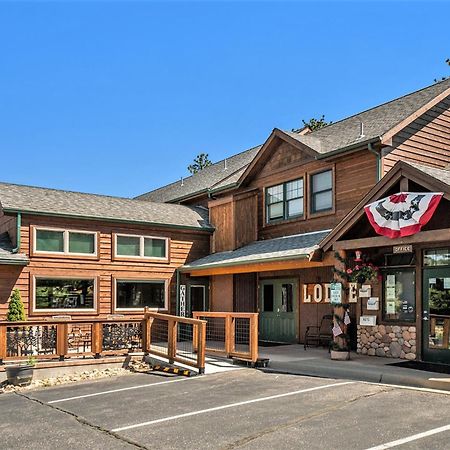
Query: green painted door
<point>278,311</point>
<point>436,315</point>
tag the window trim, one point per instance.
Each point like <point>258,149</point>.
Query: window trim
<point>52,311</point>
<point>325,212</point>
<point>141,257</point>
<point>285,218</point>
<point>66,233</point>
<point>140,280</point>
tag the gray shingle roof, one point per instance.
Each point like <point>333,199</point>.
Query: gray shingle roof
<point>289,247</point>
<point>55,202</point>
<point>203,180</point>
<point>337,136</point>
<point>6,252</point>
<point>377,121</point>
<point>440,174</point>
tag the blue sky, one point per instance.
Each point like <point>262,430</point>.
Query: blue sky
<point>119,97</point>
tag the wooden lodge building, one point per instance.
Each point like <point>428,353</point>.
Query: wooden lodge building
<point>255,232</point>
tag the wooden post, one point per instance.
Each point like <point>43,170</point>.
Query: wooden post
<point>97,339</point>
<point>201,346</point>
<point>339,310</point>
<point>61,340</point>
<point>147,324</point>
<point>195,337</point>
<point>228,335</point>
<point>254,338</point>
<point>172,340</point>
<point>3,337</point>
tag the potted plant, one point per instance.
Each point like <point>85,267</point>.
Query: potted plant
<point>21,374</point>
<point>362,273</point>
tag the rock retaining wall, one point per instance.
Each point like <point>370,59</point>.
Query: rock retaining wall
<point>392,341</point>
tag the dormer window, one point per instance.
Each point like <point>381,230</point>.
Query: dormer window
<point>285,201</point>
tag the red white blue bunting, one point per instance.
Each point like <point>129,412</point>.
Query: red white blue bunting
<point>402,214</point>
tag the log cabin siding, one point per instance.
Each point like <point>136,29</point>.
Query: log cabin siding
<point>426,140</point>
<point>184,246</point>
<point>354,175</point>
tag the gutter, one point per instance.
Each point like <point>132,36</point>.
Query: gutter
<point>349,147</point>
<point>18,233</point>
<point>109,219</point>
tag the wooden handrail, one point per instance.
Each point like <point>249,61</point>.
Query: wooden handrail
<point>230,348</point>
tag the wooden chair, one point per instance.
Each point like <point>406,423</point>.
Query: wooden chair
<point>320,334</point>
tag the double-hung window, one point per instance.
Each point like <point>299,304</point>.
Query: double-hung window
<point>66,242</point>
<point>322,191</point>
<point>285,201</point>
<point>148,247</point>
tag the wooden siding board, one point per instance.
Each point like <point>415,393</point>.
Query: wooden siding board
<point>185,246</point>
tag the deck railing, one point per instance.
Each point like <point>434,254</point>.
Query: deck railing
<point>232,334</point>
<point>153,333</point>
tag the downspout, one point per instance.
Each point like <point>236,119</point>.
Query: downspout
<point>378,156</point>
<point>18,233</point>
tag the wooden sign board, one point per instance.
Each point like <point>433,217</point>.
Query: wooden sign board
<point>402,249</point>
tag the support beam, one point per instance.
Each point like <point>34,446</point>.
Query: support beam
<point>383,241</point>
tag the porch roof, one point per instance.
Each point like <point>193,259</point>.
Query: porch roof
<point>300,246</point>
<point>7,256</point>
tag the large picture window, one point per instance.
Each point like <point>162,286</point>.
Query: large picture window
<point>322,191</point>
<point>131,246</point>
<point>285,201</point>
<point>64,293</point>
<point>399,295</point>
<point>132,294</point>
<point>436,257</point>
<point>66,242</point>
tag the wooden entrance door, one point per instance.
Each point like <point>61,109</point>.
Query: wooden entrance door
<point>278,311</point>
<point>197,298</point>
<point>436,315</point>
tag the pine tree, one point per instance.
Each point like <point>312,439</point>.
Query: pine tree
<point>16,310</point>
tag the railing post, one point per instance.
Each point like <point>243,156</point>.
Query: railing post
<point>229,335</point>
<point>254,338</point>
<point>172,340</point>
<point>97,339</point>
<point>61,340</point>
<point>200,343</point>
<point>195,337</point>
<point>147,334</point>
<point>3,337</point>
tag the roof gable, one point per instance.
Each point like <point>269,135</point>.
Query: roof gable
<point>429,177</point>
<point>299,148</point>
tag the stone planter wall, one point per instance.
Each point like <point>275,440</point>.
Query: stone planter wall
<point>391,341</point>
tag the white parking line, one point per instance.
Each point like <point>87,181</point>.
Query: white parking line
<point>95,394</point>
<point>410,388</point>
<point>414,437</point>
<point>230,405</point>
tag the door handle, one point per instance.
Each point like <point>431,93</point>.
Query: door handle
<point>425,315</point>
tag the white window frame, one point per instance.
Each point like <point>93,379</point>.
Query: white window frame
<point>142,280</point>
<point>141,256</point>
<point>65,310</point>
<point>66,232</point>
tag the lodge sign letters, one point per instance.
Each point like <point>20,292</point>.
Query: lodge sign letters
<point>321,292</point>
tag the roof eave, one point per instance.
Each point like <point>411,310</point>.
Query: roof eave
<point>14,262</point>
<point>348,148</point>
<point>188,268</point>
<point>108,219</point>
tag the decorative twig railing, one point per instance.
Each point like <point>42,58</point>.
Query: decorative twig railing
<point>158,334</point>
<point>232,334</point>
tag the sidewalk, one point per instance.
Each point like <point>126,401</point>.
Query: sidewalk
<point>293,359</point>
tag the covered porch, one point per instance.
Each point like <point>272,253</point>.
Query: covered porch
<point>278,278</point>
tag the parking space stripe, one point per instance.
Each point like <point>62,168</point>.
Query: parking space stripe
<point>230,405</point>
<point>414,437</point>
<point>95,394</point>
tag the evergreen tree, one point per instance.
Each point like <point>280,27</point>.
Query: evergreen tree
<point>16,310</point>
<point>200,162</point>
<point>316,124</point>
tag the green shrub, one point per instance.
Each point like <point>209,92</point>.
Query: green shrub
<point>16,310</point>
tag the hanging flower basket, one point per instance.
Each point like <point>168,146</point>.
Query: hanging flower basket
<point>362,273</point>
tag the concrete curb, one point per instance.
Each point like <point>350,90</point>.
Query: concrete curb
<point>423,379</point>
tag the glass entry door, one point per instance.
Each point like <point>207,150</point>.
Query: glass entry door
<point>278,310</point>
<point>436,315</point>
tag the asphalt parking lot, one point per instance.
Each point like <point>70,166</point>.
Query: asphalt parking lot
<point>237,409</point>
